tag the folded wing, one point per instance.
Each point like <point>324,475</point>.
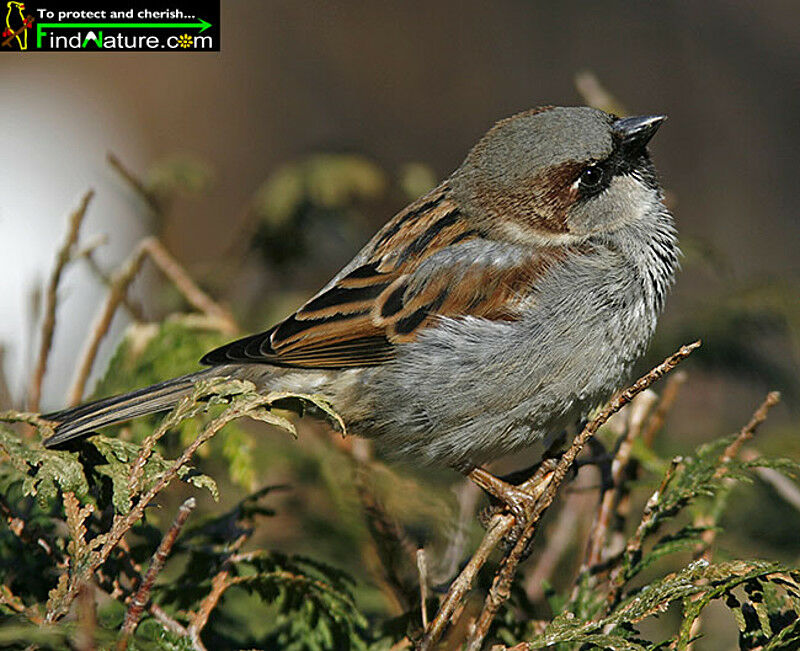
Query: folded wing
<point>424,265</point>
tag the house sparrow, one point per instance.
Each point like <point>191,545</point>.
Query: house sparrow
<point>493,312</point>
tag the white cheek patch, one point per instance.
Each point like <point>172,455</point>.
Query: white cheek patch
<point>625,201</point>
<point>528,236</point>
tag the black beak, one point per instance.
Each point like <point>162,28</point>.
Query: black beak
<point>636,132</point>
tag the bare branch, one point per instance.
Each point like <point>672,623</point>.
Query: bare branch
<point>119,286</point>
<point>51,300</point>
<point>140,599</point>
<point>596,95</point>
<point>221,581</point>
<point>656,421</point>
<point>747,432</point>
<point>135,183</point>
<point>150,246</point>
<point>562,533</point>
<point>195,296</point>
<point>639,409</point>
<point>422,569</point>
<point>708,521</point>
<point>467,494</point>
<point>134,309</point>
<point>782,485</point>
<point>5,392</point>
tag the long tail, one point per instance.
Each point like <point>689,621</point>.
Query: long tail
<point>82,420</point>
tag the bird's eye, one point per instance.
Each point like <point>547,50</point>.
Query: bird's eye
<point>591,178</point>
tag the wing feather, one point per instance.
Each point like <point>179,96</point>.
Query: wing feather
<point>424,264</point>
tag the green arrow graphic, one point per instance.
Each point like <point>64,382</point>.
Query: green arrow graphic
<point>201,24</point>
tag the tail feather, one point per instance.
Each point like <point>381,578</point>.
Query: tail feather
<point>82,420</point>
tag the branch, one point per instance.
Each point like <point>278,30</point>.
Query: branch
<point>138,186</point>
<point>729,454</point>
<point>183,282</point>
<point>596,95</point>
<point>560,536</point>
<point>747,432</point>
<point>610,495</point>
<point>51,298</point>
<point>219,584</point>
<point>668,396</point>
<point>142,595</point>
<point>634,547</point>
<point>134,309</point>
<point>5,393</point>
<point>501,586</point>
<point>121,280</point>
<point>119,287</point>
<point>122,524</point>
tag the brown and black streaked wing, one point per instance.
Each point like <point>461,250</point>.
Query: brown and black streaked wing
<point>390,299</point>
<point>333,330</point>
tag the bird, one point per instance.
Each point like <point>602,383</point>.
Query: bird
<point>15,20</point>
<point>492,313</point>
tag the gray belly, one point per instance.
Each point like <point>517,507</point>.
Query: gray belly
<point>471,390</point>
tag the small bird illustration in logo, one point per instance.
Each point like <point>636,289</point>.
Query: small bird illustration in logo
<point>17,24</point>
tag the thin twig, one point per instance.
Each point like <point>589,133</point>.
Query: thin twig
<point>560,536</point>
<point>121,280</point>
<point>747,432</point>
<point>135,183</point>
<point>501,585</point>
<point>730,453</point>
<point>596,95</point>
<point>639,408</point>
<point>782,485</point>
<point>119,286</point>
<point>221,581</point>
<point>51,300</point>
<point>5,392</point>
<point>168,622</point>
<point>89,247</point>
<point>195,296</point>
<point>498,529</point>
<point>135,310</point>
<point>142,596</point>
<point>467,494</point>
<point>634,547</point>
<point>656,421</point>
<point>422,569</point>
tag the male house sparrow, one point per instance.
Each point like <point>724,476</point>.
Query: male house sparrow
<point>493,312</point>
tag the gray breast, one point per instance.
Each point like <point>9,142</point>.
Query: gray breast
<point>470,390</point>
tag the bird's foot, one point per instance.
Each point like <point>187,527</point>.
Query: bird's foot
<point>519,499</point>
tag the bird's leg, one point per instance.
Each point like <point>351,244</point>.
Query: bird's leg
<point>519,499</point>
<point>519,502</point>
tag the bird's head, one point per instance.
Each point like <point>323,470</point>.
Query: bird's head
<point>560,174</point>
